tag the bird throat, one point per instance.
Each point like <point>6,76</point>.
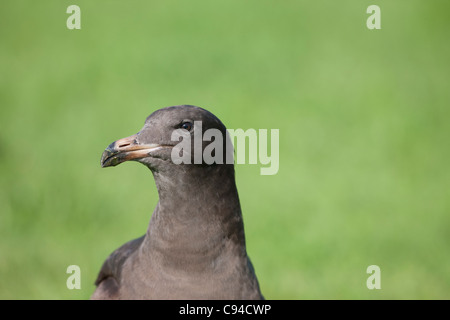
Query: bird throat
<point>196,219</point>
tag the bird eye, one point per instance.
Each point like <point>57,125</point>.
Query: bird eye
<point>186,125</point>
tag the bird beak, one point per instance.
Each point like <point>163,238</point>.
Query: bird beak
<point>124,150</point>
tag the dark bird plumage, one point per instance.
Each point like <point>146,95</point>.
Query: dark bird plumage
<point>194,247</point>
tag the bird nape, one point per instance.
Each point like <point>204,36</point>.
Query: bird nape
<point>194,247</point>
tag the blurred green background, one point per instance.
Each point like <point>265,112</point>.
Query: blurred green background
<point>364,136</point>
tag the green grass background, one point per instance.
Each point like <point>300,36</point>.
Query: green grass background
<point>364,136</point>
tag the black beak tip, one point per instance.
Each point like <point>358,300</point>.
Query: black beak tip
<point>103,164</point>
<point>108,159</point>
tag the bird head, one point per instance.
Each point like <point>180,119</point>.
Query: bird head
<point>153,145</point>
